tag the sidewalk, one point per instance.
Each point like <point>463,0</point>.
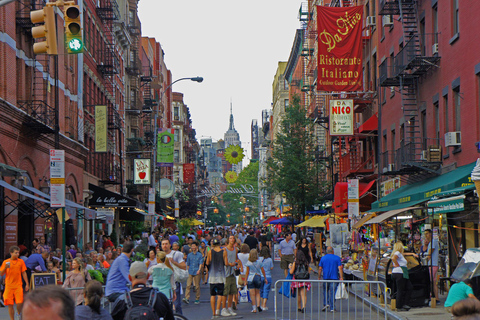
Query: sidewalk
<point>425,313</point>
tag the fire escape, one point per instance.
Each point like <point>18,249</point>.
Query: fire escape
<point>416,155</point>
<point>39,112</point>
<point>149,104</point>
<point>108,65</point>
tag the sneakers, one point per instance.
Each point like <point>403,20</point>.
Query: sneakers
<point>333,310</point>
<point>325,308</point>
<point>186,300</point>
<point>259,309</point>
<point>232,313</point>
<point>197,301</point>
<point>264,308</point>
<point>225,313</point>
<point>217,313</point>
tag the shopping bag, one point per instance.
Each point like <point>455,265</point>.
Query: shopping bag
<point>341,292</point>
<point>244,295</point>
<point>285,288</point>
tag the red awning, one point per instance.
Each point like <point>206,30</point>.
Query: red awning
<point>370,125</point>
<point>340,203</point>
<point>270,219</point>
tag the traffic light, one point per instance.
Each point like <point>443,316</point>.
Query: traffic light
<point>47,31</point>
<point>199,213</point>
<point>73,28</point>
<point>215,210</point>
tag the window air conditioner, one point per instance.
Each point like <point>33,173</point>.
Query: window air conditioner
<point>391,167</point>
<point>387,20</point>
<point>371,21</point>
<point>435,48</point>
<point>453,138</point>
<point>424,155</point>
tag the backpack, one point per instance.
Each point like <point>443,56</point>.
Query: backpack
<point>141,311</point>
<point>301,273</point>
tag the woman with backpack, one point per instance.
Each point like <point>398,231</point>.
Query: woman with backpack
<point>254,274</point>
<point>299,270</point>
<point>267,264</point>
<point>163,276</point>
<point>77,278</point>
<point>92,310</point>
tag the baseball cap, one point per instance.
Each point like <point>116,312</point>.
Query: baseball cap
<point>136,268</point>
<point>216,242</point>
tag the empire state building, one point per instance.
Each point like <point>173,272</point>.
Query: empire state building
<point>232,137</point>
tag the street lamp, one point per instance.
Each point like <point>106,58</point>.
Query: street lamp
<point>155,126</point>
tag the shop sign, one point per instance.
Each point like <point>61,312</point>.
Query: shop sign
<point>141,171</point>
<point>389,186</point>
<point>341,117</point>
<point>11,232</point>
<point>353,201</point>
<point>57,178</point>
<point>340,48</point>
<point>39,230</point>
<point>448,206</point>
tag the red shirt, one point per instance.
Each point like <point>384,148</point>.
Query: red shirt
<point>107,244</point>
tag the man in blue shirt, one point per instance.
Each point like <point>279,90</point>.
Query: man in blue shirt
<point>287,252</point>
<point>194,262</point>
<point>332,269</point>
<point>36,260</point>
<point>117,278</point>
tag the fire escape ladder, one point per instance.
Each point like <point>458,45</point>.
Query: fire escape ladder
<point>412,149</point>
<point>408,14</point>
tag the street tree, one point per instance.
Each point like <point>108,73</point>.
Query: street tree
<point>294,169</point>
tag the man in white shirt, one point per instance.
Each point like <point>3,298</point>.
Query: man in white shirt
<point>152,244</point>
<point>176,259</point>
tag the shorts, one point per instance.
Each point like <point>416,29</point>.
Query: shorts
<point>286,260</point>
<point>433,273</point>
<point>13,295</point>
<point>265,289</point>
<point>256,282</point>
<point>216,289</point>
<point>230,285</point>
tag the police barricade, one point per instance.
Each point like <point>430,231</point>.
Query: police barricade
<point>79,291</point>
<point>320,295</point>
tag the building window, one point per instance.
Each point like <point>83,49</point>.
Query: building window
<point>435,24</point>
<point>437,121</point>
<point>286,103</point>
<point>455,17</point>
<point>456,109</point>
<point>423,116</point>
<point>374,72</point>
<point>176,136</point>
<point>176,113</point>
<point>445,105</point>
<point>176,156</point>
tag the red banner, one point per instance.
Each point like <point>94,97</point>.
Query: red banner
<point>188,173</point>
<point>340,48</point>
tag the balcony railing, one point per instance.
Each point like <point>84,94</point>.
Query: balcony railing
<point>354,162</point>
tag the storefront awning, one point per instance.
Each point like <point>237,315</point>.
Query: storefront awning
<point>341,195</point>
<point>269,220</point>
<point>389,214</point>
<point>9,171</point>
<point>68,203</point>
<point>363,220</point>
<point>4,184</point>
<point>370,125</point>
<point>314,222</point>
<point>423,191</point>
<point>105,198</point>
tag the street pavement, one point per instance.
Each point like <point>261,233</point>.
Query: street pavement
<point>361,307</point>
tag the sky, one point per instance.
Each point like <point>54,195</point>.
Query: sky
<point>234,45</point>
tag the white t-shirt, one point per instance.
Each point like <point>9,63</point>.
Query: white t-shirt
<point>402,262</point>
<point>244,258</point>
<point>176,256</point>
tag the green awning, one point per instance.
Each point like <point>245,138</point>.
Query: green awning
<point>456,191</point>
<point>424,191</point>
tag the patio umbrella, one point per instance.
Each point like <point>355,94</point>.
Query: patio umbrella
<point>270,219</point>
<point>197,223</point>
<point>284,221</point>
<point>314,222</point>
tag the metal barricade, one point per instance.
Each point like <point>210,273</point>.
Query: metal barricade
<point>360,304</point>
<point>107,305</point>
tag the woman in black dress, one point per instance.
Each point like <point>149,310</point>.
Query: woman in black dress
<point>304,246</point>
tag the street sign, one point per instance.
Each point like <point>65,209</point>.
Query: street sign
<point>57,178</point>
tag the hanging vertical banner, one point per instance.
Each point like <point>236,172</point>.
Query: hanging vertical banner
<point>141,171</point>
<point>341,117</point>
<point>151,201</point>
<point>165,139</point>
<point>100,128</point>
<point>339,48</point>
<point>177,208</point>
<point>353,199</point>
<point>188,172</point>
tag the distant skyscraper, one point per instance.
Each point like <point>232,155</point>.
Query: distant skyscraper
<point>255,139</point>
<point>233,138</point>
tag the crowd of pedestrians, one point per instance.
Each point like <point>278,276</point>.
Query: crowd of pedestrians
<point>227,259</point>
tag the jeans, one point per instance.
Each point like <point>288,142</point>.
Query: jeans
<point>265,288</point>
<point>329,289</point>
<point>178,301</point>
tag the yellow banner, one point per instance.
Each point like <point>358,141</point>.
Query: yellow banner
<point>57,180</point>
<point>100,128</point>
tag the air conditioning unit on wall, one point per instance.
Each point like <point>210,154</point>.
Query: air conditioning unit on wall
<point>371,21</point>
<point>453,138</point>
<point>387,21</point>
<point>435,48</point>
